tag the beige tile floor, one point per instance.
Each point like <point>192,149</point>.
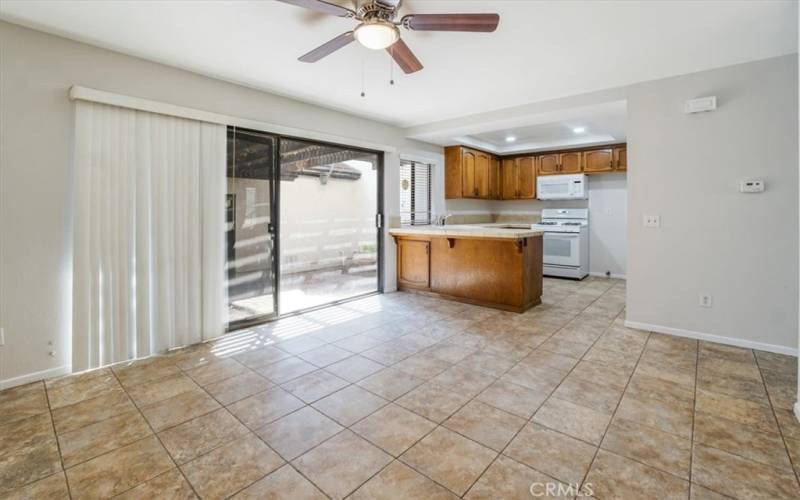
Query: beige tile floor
<point>403,396</point>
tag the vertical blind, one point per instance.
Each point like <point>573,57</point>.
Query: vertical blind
<point>149,247</point>
<point>415,193</point>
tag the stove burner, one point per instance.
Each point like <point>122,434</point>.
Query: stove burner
<point>548,223</point>
<point>572,223</point>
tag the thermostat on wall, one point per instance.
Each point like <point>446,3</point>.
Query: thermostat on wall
<point>751,186</point>
<point>700,104</point>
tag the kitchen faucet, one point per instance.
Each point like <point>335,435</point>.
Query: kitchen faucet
<point>442,219</point>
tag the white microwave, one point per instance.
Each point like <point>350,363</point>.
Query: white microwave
<point>562,187</point>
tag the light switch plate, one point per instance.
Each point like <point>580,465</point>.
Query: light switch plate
<point>652,221</point>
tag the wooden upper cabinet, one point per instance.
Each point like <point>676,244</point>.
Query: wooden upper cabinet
<point>570,163</point>
<point>413,263</point>
<point>598,160</point>
<point>453,173</point>
<point>621,158</point>
<point>548,164</point>
<point>526,177</point>
<point>482,175</point>
<point>509,190</point>
<point>495,179</point>
<point>468,174</point>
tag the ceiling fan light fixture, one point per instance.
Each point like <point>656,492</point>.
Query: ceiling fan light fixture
<point>377,34</point>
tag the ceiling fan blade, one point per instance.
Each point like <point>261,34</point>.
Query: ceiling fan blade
<point>327,48</point>
<point>452,22</point>
<point>404,58</point>
<point>320,6</point>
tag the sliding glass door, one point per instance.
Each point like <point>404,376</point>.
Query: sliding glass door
<point>250,232</point>
<point>302,225</point>
<point>328,233</point>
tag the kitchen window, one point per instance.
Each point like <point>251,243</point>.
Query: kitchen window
<point>415,193</point>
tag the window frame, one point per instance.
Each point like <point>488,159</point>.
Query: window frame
<point>414,164</point>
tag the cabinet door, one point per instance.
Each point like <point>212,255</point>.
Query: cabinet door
<point>495,180</point>
<point>453,177</point>
<point>413,263</point>
<point>469,189</point>
<point>621,158</point>
<point>599,160</point>
<point>509,179</point>
<point>482,168</point>
<point>570,163</point>
<point>548,164</point>
<point>526,177</point>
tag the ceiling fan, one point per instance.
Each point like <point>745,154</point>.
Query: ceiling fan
<point>379,30</point>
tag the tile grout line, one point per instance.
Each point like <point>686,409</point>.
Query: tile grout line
<point>614,413</point>
<point>253,432</point>
<point>694,416</point>
<point>435,427</point>
<point>530,419</point>
<point>777,422</point>
<point>416,352</point>
<point>55,435</point>
<point>155,434</point>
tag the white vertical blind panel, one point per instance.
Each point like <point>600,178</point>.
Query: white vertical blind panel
<point>149,237</point>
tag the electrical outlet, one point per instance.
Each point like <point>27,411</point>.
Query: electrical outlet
<point>652,221</point>
<point>751,186</point>
<point>2,336</point>
<point>705,300</point>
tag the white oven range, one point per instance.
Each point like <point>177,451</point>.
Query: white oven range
<point>566,242</point>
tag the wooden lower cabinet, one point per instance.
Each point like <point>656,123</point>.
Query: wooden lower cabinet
<point>413,263</point>
<point>495,272</point>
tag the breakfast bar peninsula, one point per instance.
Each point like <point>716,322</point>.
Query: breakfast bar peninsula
<point>493,265</point>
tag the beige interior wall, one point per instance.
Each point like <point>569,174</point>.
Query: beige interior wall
<point>740,248</point>
<point>37,121</point>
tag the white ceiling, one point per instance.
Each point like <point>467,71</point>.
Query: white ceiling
<point>602,125</point>
<point>542,50</point>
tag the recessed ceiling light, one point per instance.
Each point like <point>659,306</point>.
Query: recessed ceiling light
<point>511,138</point>
<point>579,130</point>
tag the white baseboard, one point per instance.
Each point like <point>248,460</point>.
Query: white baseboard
<point>612,275</point>
<point>679,332</point>
<point>33,377</point>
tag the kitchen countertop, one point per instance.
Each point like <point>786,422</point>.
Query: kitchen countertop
<point>496,230</point>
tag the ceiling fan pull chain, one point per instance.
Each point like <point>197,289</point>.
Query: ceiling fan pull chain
<point>391,65</point>
<point>363,87</point>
